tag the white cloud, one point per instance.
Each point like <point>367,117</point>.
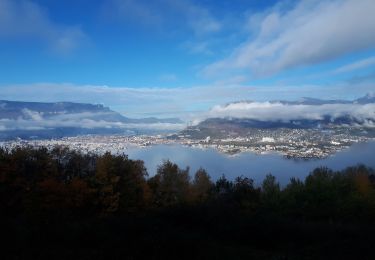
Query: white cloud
<point>168,77</point>
<point>33,115</point>
<point>185,103</point>
<point>364,63</point>
<point>234,80</point>
<point>200,47</point>
<point>139,12</point>
<point>198,18</point>
<point>167,13</point>
<point>311,32</point>
<point>189,104</point>
<point>51,123</point>
<point>266,111</point>
<point>34,120</point>
<point>26,19</point>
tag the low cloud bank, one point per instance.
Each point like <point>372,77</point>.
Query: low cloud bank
<point>363,114</point>
<point>269,111</point>
<point>33,120</point>
<point>23,124</point>
<point>184,103</point>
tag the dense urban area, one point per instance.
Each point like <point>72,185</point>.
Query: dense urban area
<point>291,143</point>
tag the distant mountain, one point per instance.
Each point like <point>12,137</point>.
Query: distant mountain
<point>369,98</point>
<point>296,124</point>
<point>314,101</point>
<point>238,117</point>
<point>52,120</point>
<point>32,110</point>
<point>66,107</point>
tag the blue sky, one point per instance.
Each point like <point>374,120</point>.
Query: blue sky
<point>178,57</point>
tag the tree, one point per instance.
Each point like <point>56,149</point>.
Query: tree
<point>294,197</point>
<point>121,182</point>
<point>107,184</point>
<point>202,186</point>
<point>170,186</point>
<point>244,192</point>
<point>133,188</point>
<point>223,186</point>
<point>271,192</point>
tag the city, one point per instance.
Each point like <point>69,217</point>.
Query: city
<point>291,143</point>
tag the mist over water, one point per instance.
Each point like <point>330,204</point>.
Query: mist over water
<point>255,166</point>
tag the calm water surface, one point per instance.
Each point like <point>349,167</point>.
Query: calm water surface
<point>251,165</point>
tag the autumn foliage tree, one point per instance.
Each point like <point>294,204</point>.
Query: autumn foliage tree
<point>62,182</point>
<point>170,186</point>
<point>93,203</point>
<point>202,186</point>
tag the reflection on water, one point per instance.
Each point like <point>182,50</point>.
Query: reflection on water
<point>251,165</point>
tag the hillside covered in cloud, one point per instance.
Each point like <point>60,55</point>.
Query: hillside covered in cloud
<point>46,120</point>
<point>303,113</point>
<point>50,120</point>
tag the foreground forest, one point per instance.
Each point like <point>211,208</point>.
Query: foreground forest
<point>61,204</point>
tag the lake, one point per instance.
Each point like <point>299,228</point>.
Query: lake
<point>252,165</point>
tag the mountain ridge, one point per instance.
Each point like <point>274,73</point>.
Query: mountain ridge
<point>301,114</point>
<point>60,119</point>
<point>368,98</point>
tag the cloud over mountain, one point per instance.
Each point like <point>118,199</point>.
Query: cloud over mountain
<point>66,118</point>
<point>287,111</point>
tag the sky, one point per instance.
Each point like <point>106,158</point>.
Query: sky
<point>177,58</point>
